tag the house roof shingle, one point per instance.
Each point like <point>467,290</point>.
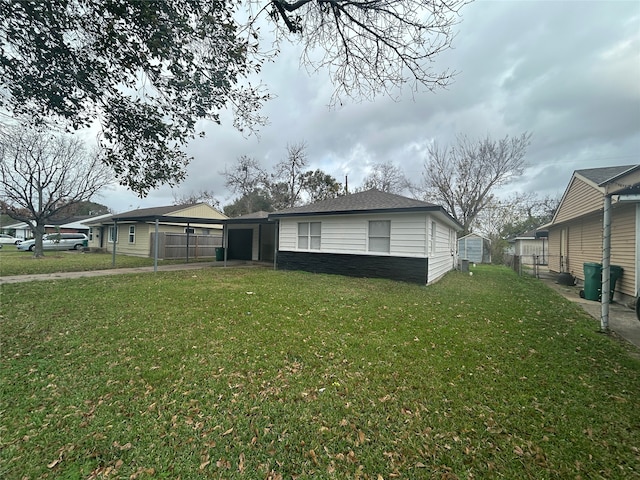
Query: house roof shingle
<point>603,175</point>
<point>369,201</point>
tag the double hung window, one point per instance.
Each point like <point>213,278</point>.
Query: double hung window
<point>309,235</point>
<point>380,236</point>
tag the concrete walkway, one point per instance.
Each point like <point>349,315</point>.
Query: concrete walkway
<point>622,318</point>
<point>120,271</point>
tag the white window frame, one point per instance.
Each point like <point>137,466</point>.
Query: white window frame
<point>376,236</point>
<point>306,237</point>
<point>132,234</point>
<point>113,231</point>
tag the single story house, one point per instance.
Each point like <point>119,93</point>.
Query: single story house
<point>368,234</point>
<point>475,248</point>
<point>133,231</point>
<point>576,231</point>
<point>532,247</point>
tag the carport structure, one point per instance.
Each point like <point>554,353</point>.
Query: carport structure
<point>249,237</point>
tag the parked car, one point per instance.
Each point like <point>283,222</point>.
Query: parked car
<point>57,241</point>
<point>8,239</point>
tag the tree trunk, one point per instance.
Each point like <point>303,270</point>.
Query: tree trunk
<point>38,251</point>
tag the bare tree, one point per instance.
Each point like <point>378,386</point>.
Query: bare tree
<point>386,177</point>
<point>202,196</point>
<point>245,176</point>
<point>371,46</point>
<point>290,173</point>
<point>43,173</point>
<point>465,176</point>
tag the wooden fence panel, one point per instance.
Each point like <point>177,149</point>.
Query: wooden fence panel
<point>173,246</point>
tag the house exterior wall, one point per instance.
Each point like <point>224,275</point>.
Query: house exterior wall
<point>584,239</point>
<point>528,248</point>
<point>142,245</point>
<point>344,240</point>
<point>581,198</point>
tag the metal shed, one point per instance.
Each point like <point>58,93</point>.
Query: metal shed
<point>474,248</point>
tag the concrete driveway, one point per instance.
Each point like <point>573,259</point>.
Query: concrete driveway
<point>622,318</point>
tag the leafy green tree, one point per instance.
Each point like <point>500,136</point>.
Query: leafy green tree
<point>319,185</point>
<point>251,202</point>
<point>147,71</point>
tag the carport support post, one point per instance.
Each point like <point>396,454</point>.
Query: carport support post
<point>115,237</point>
<point>225,240</point>
<point>606,264</point>
<point>155,249</point>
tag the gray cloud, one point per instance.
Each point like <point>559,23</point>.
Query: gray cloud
<point>569,72</point>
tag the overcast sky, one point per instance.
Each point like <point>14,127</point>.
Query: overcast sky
<point>568,72</point>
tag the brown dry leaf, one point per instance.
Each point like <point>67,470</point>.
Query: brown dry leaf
<point>518,451</point>
<point>119,463</point>
<point>241,463</point>
<point>227,432</point>
<point>126,446</point>
<point>203,465</point>
<point>313,456</point>
<point>361,436</point>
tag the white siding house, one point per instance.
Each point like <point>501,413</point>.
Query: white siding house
<point>369,234</point>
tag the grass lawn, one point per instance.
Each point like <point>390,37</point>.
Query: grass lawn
<point>13,262</point>
<point>231,373</point>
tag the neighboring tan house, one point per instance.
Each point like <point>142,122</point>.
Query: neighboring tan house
<point>368,234</point>
<point>532,247</point>
<point>133,231</point>
<point>576,231</point>
<point>475,248</point>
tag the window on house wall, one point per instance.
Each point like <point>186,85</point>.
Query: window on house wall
<point>433,237</point>
<point>113,234</point>
<point>309,235</point>
<point>380,236</point>
<point>90,233</point>
<point>132,234</point>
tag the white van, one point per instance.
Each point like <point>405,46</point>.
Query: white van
<point>57,241</point>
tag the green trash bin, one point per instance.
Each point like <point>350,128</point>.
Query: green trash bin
<point>219,254</point>
<point>592,280</point>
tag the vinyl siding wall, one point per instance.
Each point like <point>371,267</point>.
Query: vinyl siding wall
<point>585,244</point>
<point>581,198</point>
<point>349,234</point>
<point>142,245</point>
<point>410,237</point>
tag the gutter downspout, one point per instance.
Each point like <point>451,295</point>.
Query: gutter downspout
<point>606,264</point>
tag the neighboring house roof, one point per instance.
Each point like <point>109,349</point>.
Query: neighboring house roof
<point>165,214</point>
<point>370,201</point>
<point>535,234</point>
<point>587,188</point>
<point>254,217</point>
<point>604,175</point>
<point>473,235</point>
